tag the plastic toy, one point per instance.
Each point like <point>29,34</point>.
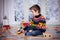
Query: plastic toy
<point>20,31</point>
<point>6,27</point>
<point>25,24</point>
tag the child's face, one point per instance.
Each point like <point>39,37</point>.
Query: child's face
<point>34,12</point>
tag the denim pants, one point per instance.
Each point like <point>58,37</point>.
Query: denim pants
<point>33,33</point>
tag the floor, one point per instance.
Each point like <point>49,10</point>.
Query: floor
<point>11,35</point>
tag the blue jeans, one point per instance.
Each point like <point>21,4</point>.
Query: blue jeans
<point>33,33</point>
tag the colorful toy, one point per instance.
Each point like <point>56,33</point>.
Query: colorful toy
<point>31,22</point>
<point>25,24</point>
<point>20,31</point>
<point>36,22</point>
<point>44,27</point>
<point>40,24</point>
<point>6,27</point>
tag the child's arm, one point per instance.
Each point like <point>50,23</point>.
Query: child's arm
<point>42,24</point>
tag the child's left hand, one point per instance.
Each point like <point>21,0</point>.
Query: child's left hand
<point>30,30</point>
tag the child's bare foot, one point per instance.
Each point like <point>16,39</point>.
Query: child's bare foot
<point>30,30</point>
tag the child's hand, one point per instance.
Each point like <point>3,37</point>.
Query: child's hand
<point>30,30</point>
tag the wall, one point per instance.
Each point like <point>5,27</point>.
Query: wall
<point>59,10</point>
<point>9,11</point>
<point>1,10</point>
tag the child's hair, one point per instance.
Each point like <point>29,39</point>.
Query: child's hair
<point>35,8</point>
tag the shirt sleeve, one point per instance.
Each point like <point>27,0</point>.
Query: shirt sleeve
<point>42,23</point>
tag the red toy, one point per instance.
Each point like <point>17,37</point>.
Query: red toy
<point>6,27</point>
<point>25,24</point>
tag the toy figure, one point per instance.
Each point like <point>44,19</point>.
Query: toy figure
<point>6,23</point>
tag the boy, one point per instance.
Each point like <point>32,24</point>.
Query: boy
<point>37,24</point>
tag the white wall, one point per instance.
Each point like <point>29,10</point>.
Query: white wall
<point>59,10</point>
<point>1,10</point>
<point>9,11</point>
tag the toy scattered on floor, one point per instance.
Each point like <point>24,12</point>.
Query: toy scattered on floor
<point>40,25</point>
<point>6,27</point>
<point>20,31</point>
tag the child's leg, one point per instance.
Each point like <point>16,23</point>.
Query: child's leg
<point>36,32</point>
<point>28,33</point>
<point>33,33</point>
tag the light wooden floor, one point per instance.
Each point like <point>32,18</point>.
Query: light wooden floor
<point>12,36</point>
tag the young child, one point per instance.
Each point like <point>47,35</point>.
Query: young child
<point>37,24</point>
